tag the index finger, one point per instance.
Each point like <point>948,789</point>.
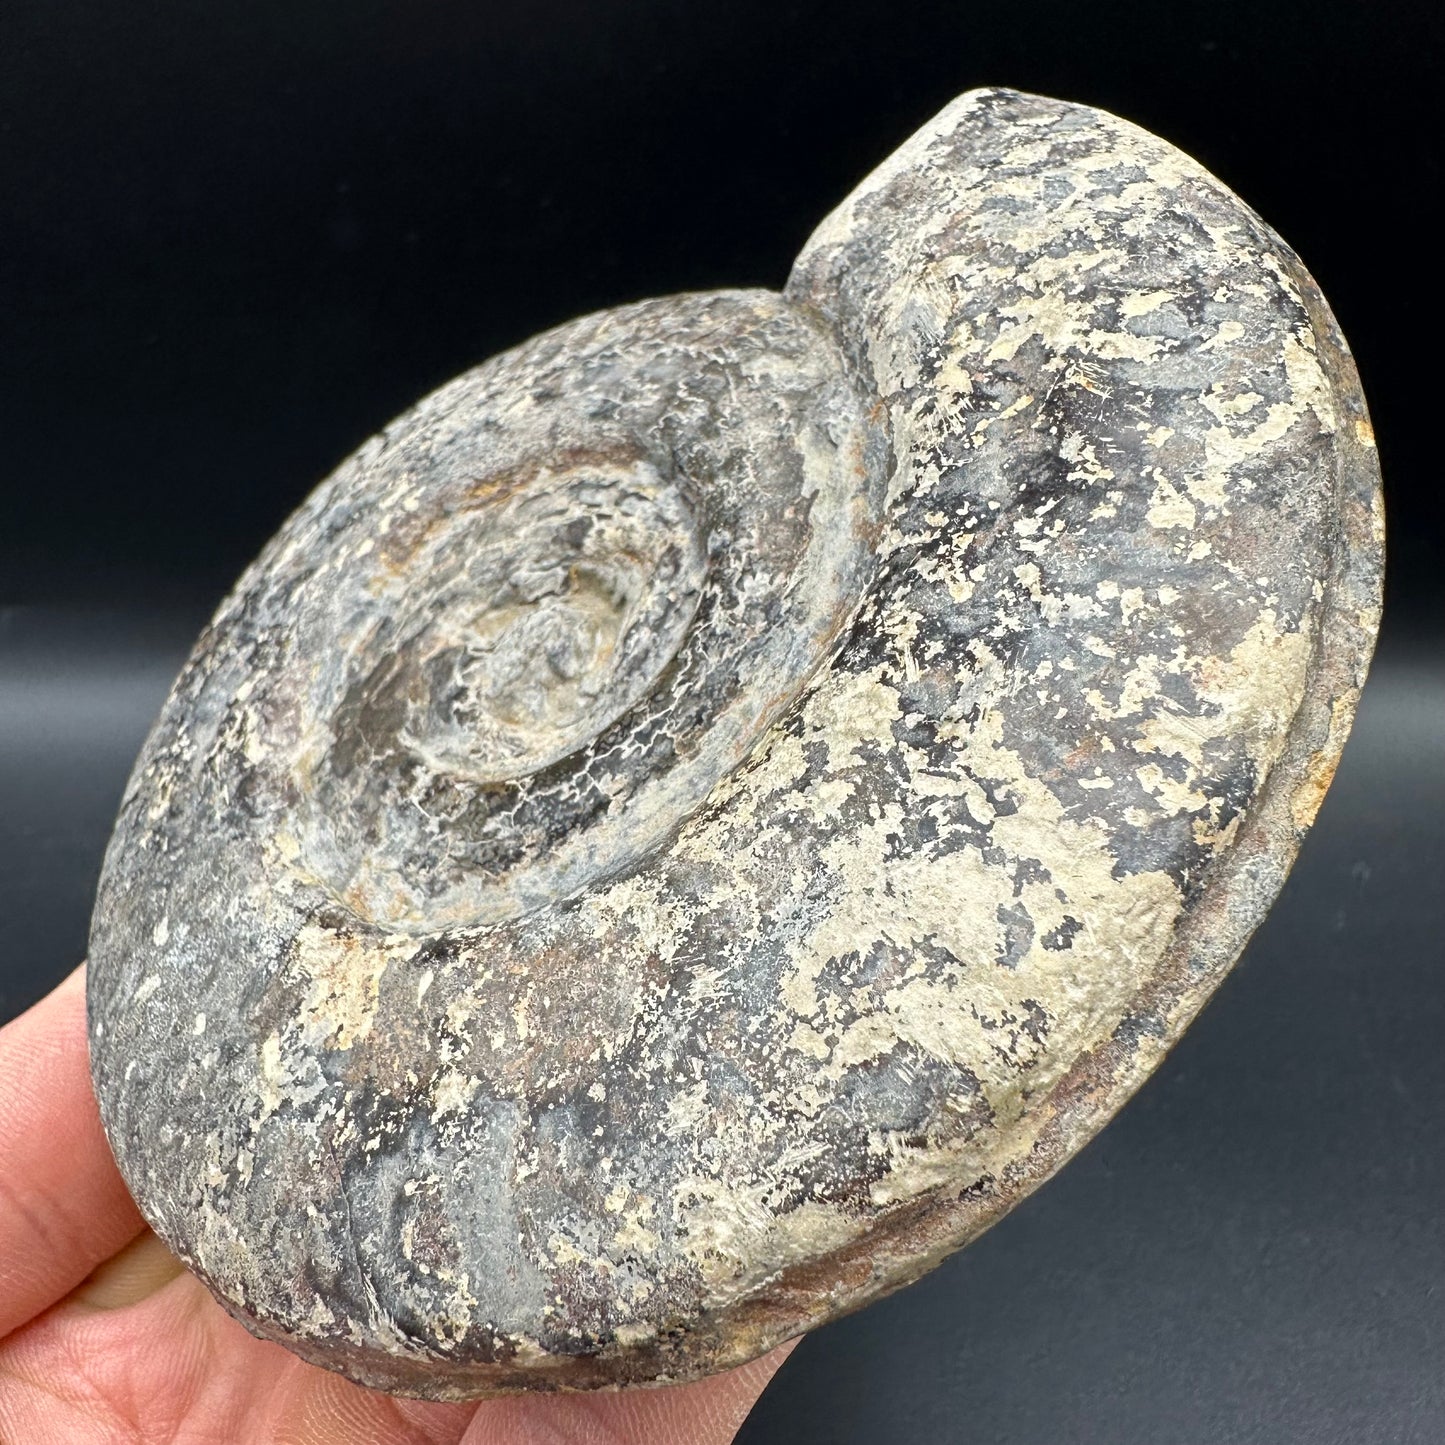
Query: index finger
<point>63,1205</point>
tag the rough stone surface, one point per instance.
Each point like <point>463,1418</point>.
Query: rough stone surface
<point>716,804</point>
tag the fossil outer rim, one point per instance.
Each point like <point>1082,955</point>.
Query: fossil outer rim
<point>991,285</point>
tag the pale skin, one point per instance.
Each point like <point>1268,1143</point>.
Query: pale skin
<point>106,1340</point>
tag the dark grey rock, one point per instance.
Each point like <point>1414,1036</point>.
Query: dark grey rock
<point>711,807</point>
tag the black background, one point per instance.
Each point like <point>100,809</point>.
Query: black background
<point>237,237</point>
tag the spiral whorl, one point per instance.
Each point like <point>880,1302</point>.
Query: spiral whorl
<point>563,599</point>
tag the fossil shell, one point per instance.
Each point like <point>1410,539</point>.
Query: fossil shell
<point>711,807</point>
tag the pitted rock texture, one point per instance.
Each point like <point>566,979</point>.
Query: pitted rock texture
<point>716,804</point>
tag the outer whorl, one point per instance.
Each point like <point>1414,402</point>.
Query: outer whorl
<point>714,805</point>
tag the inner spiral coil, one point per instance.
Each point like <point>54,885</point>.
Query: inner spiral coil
<point>543,630</point>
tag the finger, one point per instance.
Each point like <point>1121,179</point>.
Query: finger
<point>144,1266</point>
<point>129,1357</point>
<point>103,1365</point>
<point>63,1205</point>
<point>708,1412</point>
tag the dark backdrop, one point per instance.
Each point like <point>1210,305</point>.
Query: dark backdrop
<point>237,237</point>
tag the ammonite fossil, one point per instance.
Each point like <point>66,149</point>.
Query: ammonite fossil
<point>711,807</point>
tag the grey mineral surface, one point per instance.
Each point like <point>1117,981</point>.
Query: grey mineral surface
<point>714,805</point>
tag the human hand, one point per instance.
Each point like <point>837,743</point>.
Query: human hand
<point>104,1337</point>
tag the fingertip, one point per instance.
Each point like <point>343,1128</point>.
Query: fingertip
<point>144,1266</point>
